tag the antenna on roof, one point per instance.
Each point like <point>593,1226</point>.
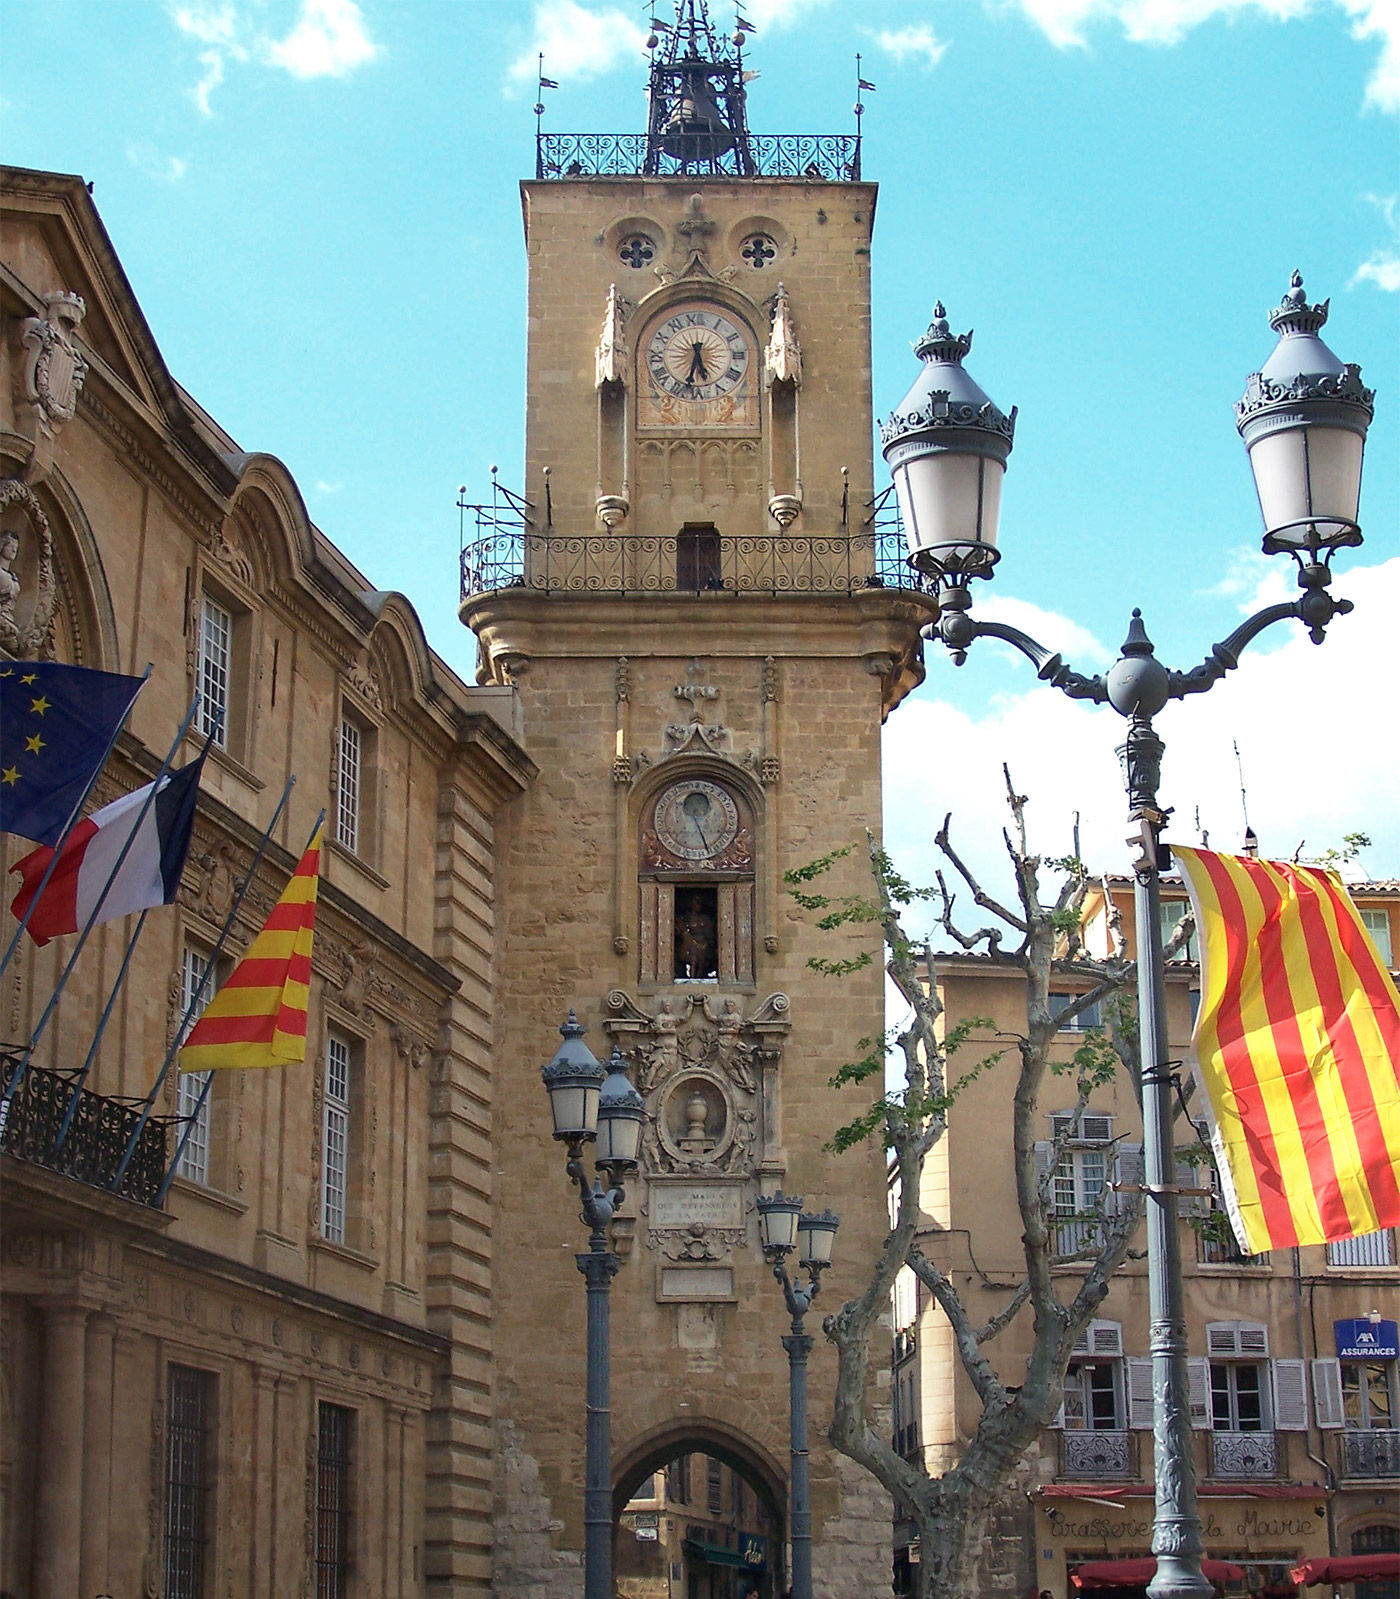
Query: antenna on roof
<point>1251,838</point>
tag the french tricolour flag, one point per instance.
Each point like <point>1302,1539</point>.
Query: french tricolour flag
<point>87,865</point>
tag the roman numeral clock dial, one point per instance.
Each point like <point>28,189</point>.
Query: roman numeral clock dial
<point>697,362</point>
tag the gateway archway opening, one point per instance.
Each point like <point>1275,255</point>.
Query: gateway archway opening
<point>699,1515</point>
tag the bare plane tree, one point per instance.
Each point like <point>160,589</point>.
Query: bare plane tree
<point>1043,939</point>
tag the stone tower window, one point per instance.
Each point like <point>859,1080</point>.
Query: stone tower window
<point>697,885</point>
<point>758,250</point>
<point>698,565</point>
<point>636,250</point>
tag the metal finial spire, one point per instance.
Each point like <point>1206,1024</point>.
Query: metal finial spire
<point>697,113</point>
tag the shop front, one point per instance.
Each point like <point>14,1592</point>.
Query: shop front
<point>1097,1541</point>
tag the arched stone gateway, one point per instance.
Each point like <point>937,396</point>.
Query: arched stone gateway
<point>699,1508</point>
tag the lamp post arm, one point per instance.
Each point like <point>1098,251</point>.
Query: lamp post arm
<point>957,630</point>
<point>1316,608</point>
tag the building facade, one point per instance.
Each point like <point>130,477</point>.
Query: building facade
<point>1292,1355</point>
<point>256,1387</point>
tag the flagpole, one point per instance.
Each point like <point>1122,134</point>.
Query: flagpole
<point>74,816</point>
<point>192,1120</point>
<point>96,911</point>
<point>119,981</point>
<point>148,1103</point>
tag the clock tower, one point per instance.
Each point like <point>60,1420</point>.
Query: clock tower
<point>705,627</point>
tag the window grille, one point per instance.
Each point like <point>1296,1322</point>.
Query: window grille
<point>1371,1249</point>
<point>186,1480</point>
<point>336,1139</point>
<point>333,1501</point>
<point>214,668</point>
<point>194,1163</point>
<point>347,810</point>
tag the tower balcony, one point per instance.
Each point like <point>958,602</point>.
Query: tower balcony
<point>823,157</point>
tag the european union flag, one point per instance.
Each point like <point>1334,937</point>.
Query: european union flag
<point>56,726</point>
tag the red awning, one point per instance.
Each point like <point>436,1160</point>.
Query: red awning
<point>1345,1568</point>
<point>1138,1573</point>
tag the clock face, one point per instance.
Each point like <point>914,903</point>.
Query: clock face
<point>698,370</point>
<point>696,820</point>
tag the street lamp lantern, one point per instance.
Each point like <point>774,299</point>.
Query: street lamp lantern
<point>621,1111</point>
<point>946,445</point>
<point>816,1235</point>
<point>778,1216</point>
<point>573,1077</point>
<point>1303,420</point>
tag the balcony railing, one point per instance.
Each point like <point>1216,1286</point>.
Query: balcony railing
<point>1098,1456</point>
<point>96,1137</point>
<point>1243,1454</point>
<point>826,157</point>
<point>631,563</point>
<point>1374,1454</point>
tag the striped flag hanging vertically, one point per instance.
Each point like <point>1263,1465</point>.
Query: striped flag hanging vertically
<point>1298,1046</point>
<point>258,1017</point>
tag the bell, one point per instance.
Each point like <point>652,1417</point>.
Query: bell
<point>696,130</point>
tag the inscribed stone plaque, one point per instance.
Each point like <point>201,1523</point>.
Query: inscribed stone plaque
<point>696,1283</point>
<point>689,1204</point>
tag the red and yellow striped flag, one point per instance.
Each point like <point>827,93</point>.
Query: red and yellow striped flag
<point>1298,1044</point>
<point>258,1018</point>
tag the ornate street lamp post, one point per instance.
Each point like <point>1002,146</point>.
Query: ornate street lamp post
<point>591,1103</point>
<point>782,1225</point>
<point>1303,419</point>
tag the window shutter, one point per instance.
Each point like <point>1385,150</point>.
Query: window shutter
<point>1290,1393</point>
<point>1043,1148</point>
<point>1127,1174</point>
<point>1059,1421</point>
<point>1139,1392</point>
<point>1198,1372</point>
<point>1327,1392</point>
<point>1191,1175</point>
<point>1253,1338</point>
<point>1105,1338</point>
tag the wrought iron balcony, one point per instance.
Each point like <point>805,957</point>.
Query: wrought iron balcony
<point>96,1136</point>
<point>1374,1454</point>
<point>826,157</point>
<point>630,563</point>
<point>1098,1456</point>
<point>1252,1455</point>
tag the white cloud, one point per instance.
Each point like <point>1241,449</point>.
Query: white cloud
<point>1075,643</point>
<point>1317,762</point>
<point>1382,266</point>
<point>322,487</point>
<point>578,42</point>
<point>1255,580</point>
<point>1165,22</point>
<point>917,44</point>
<point>328,41</point>
<point>146,158</point>
<point>778,13</point>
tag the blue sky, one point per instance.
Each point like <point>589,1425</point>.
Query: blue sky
<point>316,204</point>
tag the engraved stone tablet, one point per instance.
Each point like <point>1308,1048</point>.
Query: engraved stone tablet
<point>696,1204</point>
<point>696,1282</point>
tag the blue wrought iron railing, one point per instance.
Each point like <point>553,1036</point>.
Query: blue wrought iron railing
<point>92,1146</point>
<point>826,157</point>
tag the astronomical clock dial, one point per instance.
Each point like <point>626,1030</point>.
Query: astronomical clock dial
<point>698,368</point>
<point>696,820</point>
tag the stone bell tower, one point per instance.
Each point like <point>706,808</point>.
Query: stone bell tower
<point>706,629</point>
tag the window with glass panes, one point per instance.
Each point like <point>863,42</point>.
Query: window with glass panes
<point>191,1100</point>
<point>1376,921</point>
<point>335,1142</point>
<point>1080,1177</point>
<point>1171,912</point>
<point>347,803</point>
<point>1091,1396</point>
<point>188,1415</point>
<point>334,1500</point>
<point>1237,1396</point>
<point>214,668</point>
<point>1371,1394</point>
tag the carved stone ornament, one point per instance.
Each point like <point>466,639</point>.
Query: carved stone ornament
<point>610,357</point>
<point>54,370</point>
<point>782,358</point>
<point>217,882</point>
<point>28,583</point>
<point>363,676</point>
<point>708,736</point>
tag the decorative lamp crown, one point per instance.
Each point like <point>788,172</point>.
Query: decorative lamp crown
<point>947,445</point>
<point>1303,420</point>
<point>573,1078</point>
<point>621,1112</point>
